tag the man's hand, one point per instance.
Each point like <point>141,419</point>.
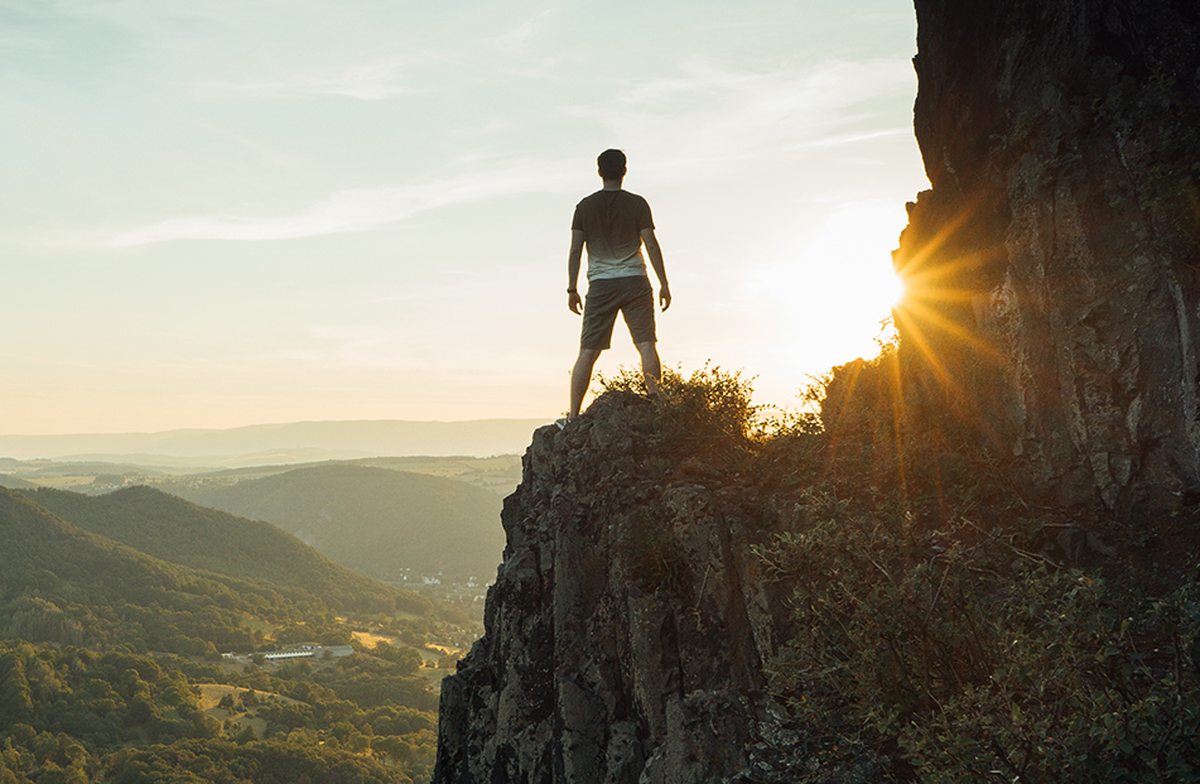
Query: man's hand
<point>575,303</point>
<point>664,297</point>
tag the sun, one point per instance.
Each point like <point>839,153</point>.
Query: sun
<point>826,298</point>
<point>881,289</point>
<point>846,283</point>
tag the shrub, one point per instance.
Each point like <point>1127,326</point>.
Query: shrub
<point>710,409</point>
<point>655,552</point>
<point>966,658</point>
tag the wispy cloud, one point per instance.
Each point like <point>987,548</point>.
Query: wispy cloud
<point>361,345</point>
<point>707,113</point>
<point>517,39</point>
<point>369,81</point>
<point>360,209</point>
<point>714,113</point>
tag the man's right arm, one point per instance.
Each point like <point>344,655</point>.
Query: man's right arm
<point>574,262</point>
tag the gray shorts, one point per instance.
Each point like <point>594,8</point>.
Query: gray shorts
<point>632,297</point>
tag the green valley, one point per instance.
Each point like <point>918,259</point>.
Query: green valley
<point>115,611</point>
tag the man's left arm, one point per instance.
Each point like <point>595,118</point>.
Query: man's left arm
<point>656,261</point>
<point>574,262</point>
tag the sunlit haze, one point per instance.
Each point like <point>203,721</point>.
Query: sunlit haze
<point>219,214</point>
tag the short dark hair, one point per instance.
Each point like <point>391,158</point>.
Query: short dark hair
<point>611,164</point>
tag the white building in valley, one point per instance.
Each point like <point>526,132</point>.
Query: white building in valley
<point>307,650</point>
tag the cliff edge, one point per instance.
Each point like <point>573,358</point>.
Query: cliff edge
<point>629,625</point>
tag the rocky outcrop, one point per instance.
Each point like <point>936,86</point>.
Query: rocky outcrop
<point>628,627</point>
<point>1053,274</point>
<point>1054,266</point>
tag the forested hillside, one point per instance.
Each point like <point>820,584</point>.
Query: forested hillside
<point>61,584</point>
<point>109,648</point>
<point>181,532</point>
<point>73,715</point>
<point>15,483</point>
<point>390,525</point>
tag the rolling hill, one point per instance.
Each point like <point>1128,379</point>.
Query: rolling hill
<point>15,483</point>
<point>89,690</point>
<point>64,585</point>
<point>390,525</point>
<point>175,530</point>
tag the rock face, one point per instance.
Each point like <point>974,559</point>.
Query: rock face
<point>1054,283</point>
<point>628,628</point>
<point>1053,266</point>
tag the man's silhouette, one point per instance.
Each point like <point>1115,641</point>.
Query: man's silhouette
<point>614,224</point>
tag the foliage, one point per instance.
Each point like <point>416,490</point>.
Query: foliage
<point>708,413</point>
<point>964,657</point>
<point>60,584</point>
<point>175,530</point>
<point>64,585</point>
<point>932,635</point>
<point>73,715</point>
<point>891,446</point>
<point>267,762</point>
<point>366,681</point>
<point>659,562</point>
<point>407,660</point>
<point>704,426</point>
<point>97,699</point>
<point>98,708</point>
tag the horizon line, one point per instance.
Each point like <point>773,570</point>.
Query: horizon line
<point>276,424</point>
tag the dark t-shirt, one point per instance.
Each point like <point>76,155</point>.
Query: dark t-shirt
<point>612,222</point>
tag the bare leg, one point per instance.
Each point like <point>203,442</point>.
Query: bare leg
<point>581,378</point>
<point>651,366</point>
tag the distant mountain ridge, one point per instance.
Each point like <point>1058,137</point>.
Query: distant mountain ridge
<point>382,523</point>
<point>288,442</point>
<point>15,483</point>
<point>62,583</point>
<point>169,528</point>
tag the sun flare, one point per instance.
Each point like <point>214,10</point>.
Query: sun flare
<point>842,288</point>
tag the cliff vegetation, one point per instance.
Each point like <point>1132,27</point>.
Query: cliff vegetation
<point>695,591</point>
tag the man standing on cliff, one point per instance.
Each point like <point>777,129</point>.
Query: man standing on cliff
<point>614,224</point>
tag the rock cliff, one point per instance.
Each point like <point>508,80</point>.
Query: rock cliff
<point>1051,323</point>
<point>629,626</point>
<point>1053,266</point>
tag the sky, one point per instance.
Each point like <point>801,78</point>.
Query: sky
<point>217,213</point>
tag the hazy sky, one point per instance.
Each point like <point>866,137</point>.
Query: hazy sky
<point>220,213</point>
